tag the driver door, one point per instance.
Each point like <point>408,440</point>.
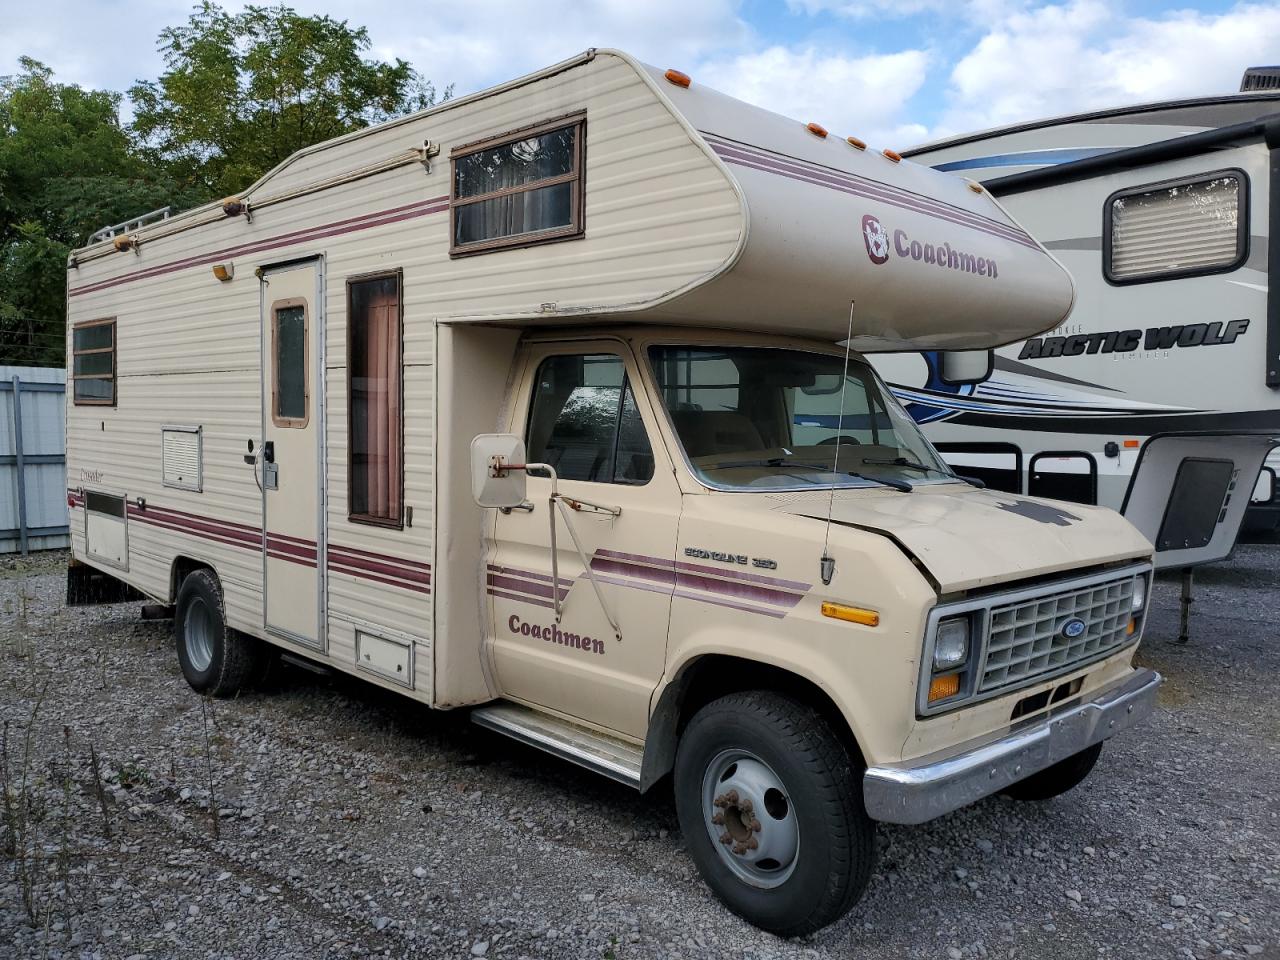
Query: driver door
<point>582,415</point>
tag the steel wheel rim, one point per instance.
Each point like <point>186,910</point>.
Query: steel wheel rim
<point>197,634</point>
<point>750,819</point>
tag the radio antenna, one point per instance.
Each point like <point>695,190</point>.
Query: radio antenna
<point>827,564</point>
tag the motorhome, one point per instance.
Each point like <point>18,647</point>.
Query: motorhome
<point>1160,394</point>
<point>549,403</point>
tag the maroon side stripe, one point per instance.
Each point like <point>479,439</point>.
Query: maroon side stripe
<point>355,554</point>
<point>337,567</point>
<point>703,598</point>
<point>377,219</point>
<point>522,586</point>
<point>521,598</point>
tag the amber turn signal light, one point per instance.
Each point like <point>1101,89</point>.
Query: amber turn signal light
<point>942,687</point>
<point>838,611</point>
<point>678,78</point>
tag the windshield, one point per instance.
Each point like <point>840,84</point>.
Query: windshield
<point>766,418</point>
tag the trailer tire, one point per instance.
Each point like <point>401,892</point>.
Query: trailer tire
<point>215,659</point>
<point>1057,779</point>
<point>802,782</point>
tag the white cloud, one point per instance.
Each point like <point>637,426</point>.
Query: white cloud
<point>1082,55</point>
<point>864,96</point>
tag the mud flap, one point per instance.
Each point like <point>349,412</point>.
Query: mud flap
<point>1189,493</point>
<point>88,586</point>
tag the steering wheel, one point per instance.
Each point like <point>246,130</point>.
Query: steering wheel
<point>843,438</point>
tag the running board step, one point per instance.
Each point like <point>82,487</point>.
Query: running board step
<point>606,755</point>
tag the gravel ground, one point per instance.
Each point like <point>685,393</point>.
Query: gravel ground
<point>352,823</point>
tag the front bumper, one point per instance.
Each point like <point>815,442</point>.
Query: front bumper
<point>919,790</point>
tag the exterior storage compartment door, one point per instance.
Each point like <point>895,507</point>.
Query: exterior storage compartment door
<point>1188,494</point>
<point>106,529</point>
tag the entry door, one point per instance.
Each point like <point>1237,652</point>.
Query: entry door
<point>584,416</point>
<point>290,457</point>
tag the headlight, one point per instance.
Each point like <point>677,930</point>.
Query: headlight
<point>951,644</point>
<point>1139,594</point>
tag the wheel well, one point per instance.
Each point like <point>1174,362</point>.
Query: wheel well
<point>182,567</point>
<point>714,676</point>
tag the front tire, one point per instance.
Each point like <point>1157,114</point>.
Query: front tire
<point>770,804</point>
<point>215,659</point>
<point>1057,779</point>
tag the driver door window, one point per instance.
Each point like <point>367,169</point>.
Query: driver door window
<point>584,423</point>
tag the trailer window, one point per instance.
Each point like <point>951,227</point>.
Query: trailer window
<point>93,363</point>
<point>1183,228</point>
<point>584,422</point>
<point>289,349</point>
<point>375,419</point>
<point>521,188</point>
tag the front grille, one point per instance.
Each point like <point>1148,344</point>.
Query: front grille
<point>1025,638</point>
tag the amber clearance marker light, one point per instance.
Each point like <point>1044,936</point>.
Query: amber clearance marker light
<point>893,155</point>
<point>855,143</point>
<point>817,129</point>
<point>678,78</point>
<point>838,611</point>
<point>943,687</point>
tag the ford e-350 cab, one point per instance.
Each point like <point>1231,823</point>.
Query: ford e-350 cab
<point>846,630</point>
<point>549,403</point>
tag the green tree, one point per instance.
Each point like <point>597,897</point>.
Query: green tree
<point>243,91</point>
<point>67,168</point>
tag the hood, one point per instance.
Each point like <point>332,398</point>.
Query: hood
<point>969,538</point>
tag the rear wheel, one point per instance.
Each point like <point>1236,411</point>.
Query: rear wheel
<point>214,658</point>
<point>1057,779</point>
<point>770,804</point>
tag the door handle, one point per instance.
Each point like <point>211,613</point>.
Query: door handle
<point>525,507</point>
<point>269,451</point>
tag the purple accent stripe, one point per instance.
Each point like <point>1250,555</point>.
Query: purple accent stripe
<point>521,599</point>
<point>189,529</point>
<point>524,586</point>
<point>250,536</point>
<point>904,202</point>
<point>634,584</point>
<point>277,546</point>
<point>380,218</point>
<point>292,558</point>
<point>336,566</point>
<point>379,557</point>
<point>886,191</point>
<point>633,570</point>
<point>742,591</point>
<point>703,598</point>
<point>635,558</point>
<point>527,574</point>
<point>710,571</point>
<point>387,568</point>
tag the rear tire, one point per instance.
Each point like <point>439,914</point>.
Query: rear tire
<point>215,659</point>
<point>1057,779</point>
<point>768,774</point>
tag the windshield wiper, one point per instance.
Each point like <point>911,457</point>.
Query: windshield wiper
<point>912,465</point>
<point>901,485</point>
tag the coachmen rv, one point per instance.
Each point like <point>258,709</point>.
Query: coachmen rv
<point>1160,395</point>
<point>531,404</point>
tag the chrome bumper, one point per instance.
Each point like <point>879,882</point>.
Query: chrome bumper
<point>918,790</point>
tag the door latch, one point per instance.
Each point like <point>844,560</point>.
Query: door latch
<point>268,451</point>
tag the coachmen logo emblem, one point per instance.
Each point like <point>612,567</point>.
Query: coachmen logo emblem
<point>1073,628</point>
<point>876,239</point>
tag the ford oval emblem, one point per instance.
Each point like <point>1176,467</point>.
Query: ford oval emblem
<point>1073,628</point>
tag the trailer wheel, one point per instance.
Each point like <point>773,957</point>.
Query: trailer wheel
<point>214,658</point>
<point>1057,779</point>
<point>770,805</point>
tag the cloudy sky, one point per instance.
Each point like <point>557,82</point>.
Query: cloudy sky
<point>895,72</point>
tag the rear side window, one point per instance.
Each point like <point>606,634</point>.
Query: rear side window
<point>583,421</point>
<point>93,363</point>
<point>1181,228</point>
<point>518,189</point>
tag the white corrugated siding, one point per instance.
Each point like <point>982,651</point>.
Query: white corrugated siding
<point>42,433</point>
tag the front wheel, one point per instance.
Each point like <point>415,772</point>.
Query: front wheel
<point>770,804</point>
<point>1057,779</point>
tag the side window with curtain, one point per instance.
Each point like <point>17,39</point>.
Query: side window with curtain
<point>584,422</point>
<point>375,412</point>
<point>521,188</point>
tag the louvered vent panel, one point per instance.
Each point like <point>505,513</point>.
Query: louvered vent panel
<point>181,457</point>
<point>1180,229</point>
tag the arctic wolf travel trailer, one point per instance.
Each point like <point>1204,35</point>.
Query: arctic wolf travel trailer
<point>703,541</point>
<point>1160,395</point>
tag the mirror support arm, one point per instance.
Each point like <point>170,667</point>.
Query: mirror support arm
<point>558,503</point>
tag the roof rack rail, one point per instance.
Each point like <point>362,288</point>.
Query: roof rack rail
<point>137,223</point>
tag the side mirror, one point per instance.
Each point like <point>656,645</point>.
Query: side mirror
<point>491,485</point>
<point>958,367</point>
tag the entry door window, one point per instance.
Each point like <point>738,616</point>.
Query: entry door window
<point>289,346</point>
<point>583,421</point>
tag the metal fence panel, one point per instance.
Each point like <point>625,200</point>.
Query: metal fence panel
<point>33,516</point>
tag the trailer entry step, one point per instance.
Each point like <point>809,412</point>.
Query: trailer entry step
<point>606,755</point>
